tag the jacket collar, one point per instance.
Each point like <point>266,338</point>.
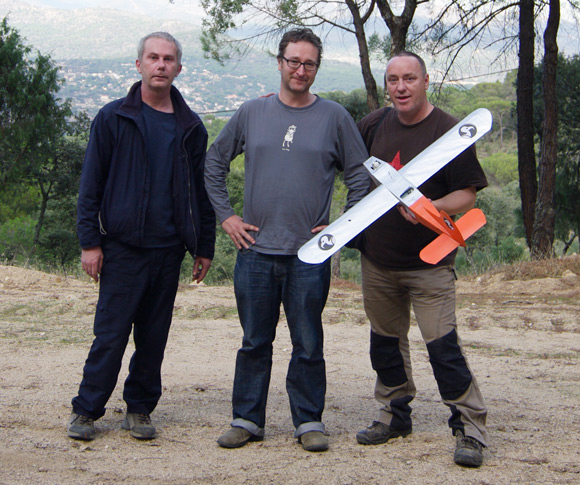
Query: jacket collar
<point>185,117</point>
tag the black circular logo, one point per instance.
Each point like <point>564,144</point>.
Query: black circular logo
<point>467,131</point>
<point>326,242</point>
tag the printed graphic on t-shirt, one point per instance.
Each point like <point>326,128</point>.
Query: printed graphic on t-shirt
<point>288,138</point>
<point>396,163</point>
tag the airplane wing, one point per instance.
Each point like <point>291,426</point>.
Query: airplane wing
<point>342,230</point>
<point>417,171</point>
<point>447,147</point>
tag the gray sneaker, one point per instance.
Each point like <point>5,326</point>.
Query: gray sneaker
<point>379,433</point>
<point>81,427</point>
<point>140,426</point>
<point>468,451</point>
<point>314,441</point>
<point>236,437</point>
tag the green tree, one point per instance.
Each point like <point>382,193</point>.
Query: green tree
<point>58,177</point>
<point>31,113</point>
<point>475,22</point>
<point>41,143</point>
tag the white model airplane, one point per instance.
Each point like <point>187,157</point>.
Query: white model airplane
<point>400,187</point>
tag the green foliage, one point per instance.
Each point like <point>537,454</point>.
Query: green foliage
<point>41,152</point>
<point>222,270</point>
<point>498,97</point>
<point>235,184</point>
<point>355,102</point>
<point>17,200</point>
<point>220,19</point>
<point>500,204</point>
<point>501,167</point>
<point>509,250</point>
<point>58,246</point>
<point>32,115</point>
<point>16,236</point>
<point>350,265</point>
<point>501,240</point>
<point>213,126</point>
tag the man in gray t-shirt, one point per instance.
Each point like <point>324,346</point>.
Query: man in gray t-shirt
<point>293,144</point>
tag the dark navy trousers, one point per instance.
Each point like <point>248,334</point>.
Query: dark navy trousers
<point>137,292</point>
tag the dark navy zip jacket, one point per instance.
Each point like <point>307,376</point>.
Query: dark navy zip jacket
<point>114,188</point>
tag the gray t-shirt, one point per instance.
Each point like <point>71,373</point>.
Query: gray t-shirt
<point>291,155</point>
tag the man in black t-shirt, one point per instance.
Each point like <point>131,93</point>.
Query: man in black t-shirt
<point>394,277</point>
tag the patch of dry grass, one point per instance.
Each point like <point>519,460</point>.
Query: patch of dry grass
<point>533,270</point>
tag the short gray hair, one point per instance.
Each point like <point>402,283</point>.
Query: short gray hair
<point>159,35</point>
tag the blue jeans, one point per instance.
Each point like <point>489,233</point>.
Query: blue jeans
<point>262,282</point>
<point>137,292</point>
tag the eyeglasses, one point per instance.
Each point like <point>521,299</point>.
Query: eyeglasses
<point>308,66</point>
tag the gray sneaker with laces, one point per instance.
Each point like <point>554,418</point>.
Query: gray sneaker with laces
<point>140,426</point>
<point>81,427</point>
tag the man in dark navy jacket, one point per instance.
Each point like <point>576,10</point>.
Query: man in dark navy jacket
<point>142,204</point>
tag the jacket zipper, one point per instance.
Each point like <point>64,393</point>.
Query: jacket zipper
<point>189,194</point>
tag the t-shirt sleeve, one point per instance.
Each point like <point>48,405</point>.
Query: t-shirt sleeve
<point>354,153</point>
<point>227,146</point>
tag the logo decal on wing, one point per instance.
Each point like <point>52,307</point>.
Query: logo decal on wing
<point>326,242</point>
<point>467,131</point>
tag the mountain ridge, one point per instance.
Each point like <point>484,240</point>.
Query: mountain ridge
<point>96,51</point>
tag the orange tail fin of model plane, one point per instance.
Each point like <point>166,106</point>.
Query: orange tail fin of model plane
<point>440,247</point>
<point>438,221</point>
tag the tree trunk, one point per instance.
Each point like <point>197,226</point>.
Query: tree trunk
<point>569,243</point>
<point>398,27</point>
<point>545,217</point>
<point>335,265</point>
<point>41,213</point>
<point>525,117</point>
<point>365,64</point>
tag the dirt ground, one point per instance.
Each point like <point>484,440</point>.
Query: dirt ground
<point>521,332</point>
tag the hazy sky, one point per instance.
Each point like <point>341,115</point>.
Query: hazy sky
<point>190,11</point>
<point>186,10</point>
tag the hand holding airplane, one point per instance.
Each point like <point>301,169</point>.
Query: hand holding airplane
<point>400,187</point>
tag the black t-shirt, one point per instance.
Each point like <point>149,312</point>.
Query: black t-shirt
<point>393,242</point>
<point>160,228</point>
